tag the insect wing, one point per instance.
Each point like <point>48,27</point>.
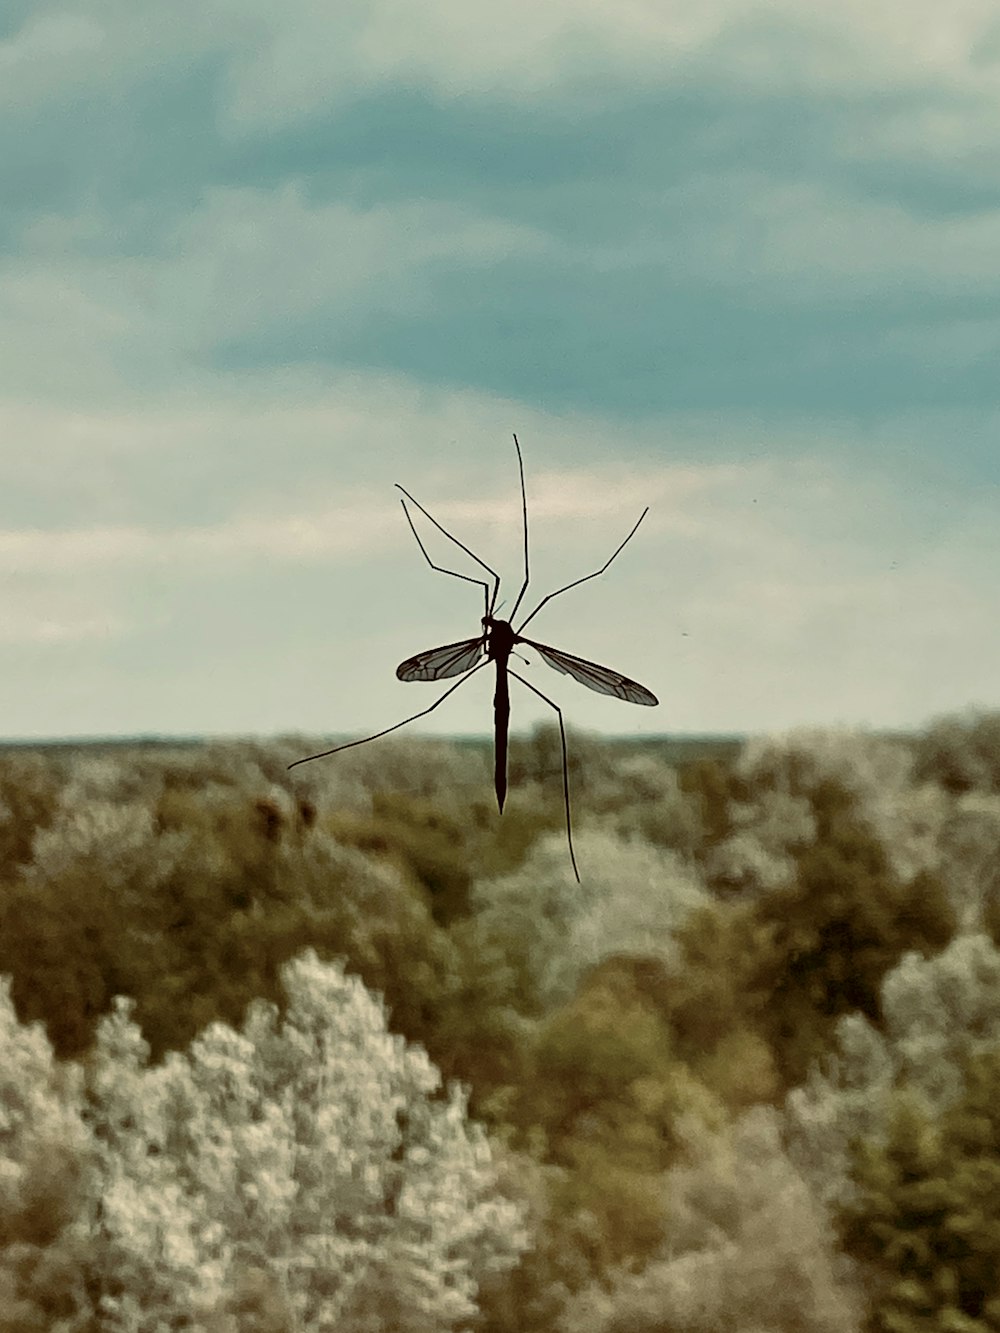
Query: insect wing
<point>453,659</point>
<point>599,678</point>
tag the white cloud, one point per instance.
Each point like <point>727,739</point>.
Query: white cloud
<point>306,60</point>
<point>244,263</point>
<point>290,61</point>
<point>759,594</point>
<point>358,524</point>
<point>811,235</point>
<point>52,52</point>
<point>247,260</point>
<point>797,242</point>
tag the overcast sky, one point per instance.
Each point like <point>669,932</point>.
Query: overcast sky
<point>739,262</point>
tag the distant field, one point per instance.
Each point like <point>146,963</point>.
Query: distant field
<point>673,750</point>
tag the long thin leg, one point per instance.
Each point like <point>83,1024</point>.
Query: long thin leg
<point>524,514</point>
<point>441,569</point>
<point>565,760</point>
<point>596,574</point>
<point>490,601</point>
<point>423,713</point>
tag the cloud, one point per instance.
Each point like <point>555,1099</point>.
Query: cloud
<point>252,259</point>
<point>287,64</point>
<point>245,264</point>
<point>358,524</point>
<point>221,194</point>
<point>46,56</point>
<point>299,64</point>
<point>758,593</point>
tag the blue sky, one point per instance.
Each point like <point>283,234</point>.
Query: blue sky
<point>736,261</point>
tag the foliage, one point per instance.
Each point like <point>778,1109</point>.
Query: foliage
<point>550,930</point>
<point>191,908</point>
<point>758,854</point>
<point>937,1014</point>
<point>746,1247</point>
<point>926,1213</point>
<point>711,786</point>
<point>597,1108</point>
<point>838,931</point>
<point>750,925</point>
<point>787,964</point>
<point>780,773</point>
<point>961,754</point>
<point>45,1184</point>
<point>305,1171</point>
<point>29,793</point>
<point>642,800</point>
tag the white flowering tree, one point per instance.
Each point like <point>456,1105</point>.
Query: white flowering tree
<point>46,1182</point>
<point>906,815</point>
<point>548,930</point>
<point>970,850</point>
<point>937,1013</point>
<point>307,1163</point>
<point>747,1247</point>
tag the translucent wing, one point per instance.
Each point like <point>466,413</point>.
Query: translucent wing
<point>453,659</point>
<point>599,678</point>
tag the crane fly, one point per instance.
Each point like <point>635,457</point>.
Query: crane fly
<point>495,643</point>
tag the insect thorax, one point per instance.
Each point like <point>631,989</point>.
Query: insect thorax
<point>500,638</point>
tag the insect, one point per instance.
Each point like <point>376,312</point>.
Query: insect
<point>497,641</point>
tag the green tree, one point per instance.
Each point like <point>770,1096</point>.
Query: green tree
<point>926,1214</point>
<point>837,931</point>
<point>787,965</point>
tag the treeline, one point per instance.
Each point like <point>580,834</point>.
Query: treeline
<point>380,1063</point>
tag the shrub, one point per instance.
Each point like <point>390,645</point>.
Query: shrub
<point>961,754</point>
<point>925,1216</point>
<point>938,1014</point>
<point>746,1246</point>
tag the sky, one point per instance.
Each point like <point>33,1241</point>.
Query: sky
<point>736,261</point>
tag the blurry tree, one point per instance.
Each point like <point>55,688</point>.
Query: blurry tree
<point>641,799</point>
<point>758,854</point>
<point>602,1096</point>
<point>307,1163</point>
<point>192,905</point>
<point>937,1014</point>
<point>47,1185</point>
<point>961,753</point>
<point>716,1003</point>
<point>423,770</point>
<point>839,929</point>
<point>711,786</point>
<point>745,1247</point>
<point>788,964</point>
<point>109,863</point>
<point>304,1172</point>
<point>902,810</point>
<point>925,1215</point>
<point>550,930</point>
<point>29,799</point>
<point>431,840</point>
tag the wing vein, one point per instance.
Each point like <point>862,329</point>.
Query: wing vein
<point>451,659</point>
<point>600,678</point>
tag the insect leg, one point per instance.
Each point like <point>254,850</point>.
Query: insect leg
<point>576,582</point>
<point>489,602</point>
<point>524,515</point>
<point>365,739</point>
<point>565,762</point>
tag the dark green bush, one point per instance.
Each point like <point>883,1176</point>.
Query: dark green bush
<point>926,1218</point>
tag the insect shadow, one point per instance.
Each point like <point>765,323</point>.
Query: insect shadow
<point>497,641</point>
